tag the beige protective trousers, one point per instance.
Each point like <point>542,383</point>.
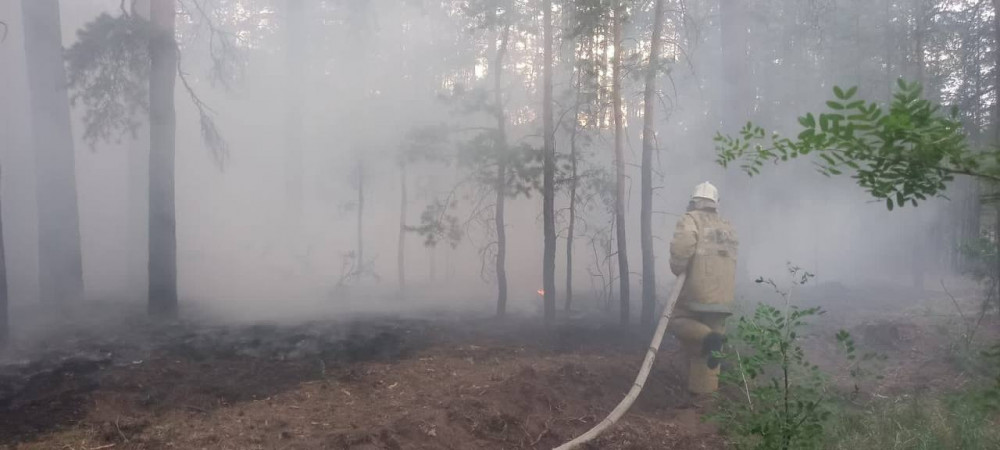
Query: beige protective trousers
<point>691,329</point>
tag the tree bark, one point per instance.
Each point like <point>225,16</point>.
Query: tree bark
<point>138,199</point>
<point>573,183</point>
<point>162,135</point>
<point>548,171</point>
<point>501,181</point>
<point>60,262</point>
<point>616,93</point>
<point>996,72</point>
<point>996,128</point>
<point>917,263</point>
<point>648,136</point>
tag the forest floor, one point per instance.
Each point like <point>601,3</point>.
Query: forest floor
<point>383,382</point>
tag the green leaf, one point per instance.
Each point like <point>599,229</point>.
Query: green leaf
<point>888,203</point>
<point>850,92</point>
<point>839,92</point>
<point>834,105</point>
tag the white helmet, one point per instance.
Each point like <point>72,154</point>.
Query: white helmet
<point>707,191</point>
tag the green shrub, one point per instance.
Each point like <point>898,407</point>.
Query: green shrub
<point>783,399</point>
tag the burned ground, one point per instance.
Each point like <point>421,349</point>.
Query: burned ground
<point>368,384</point>
<point>445,382</point>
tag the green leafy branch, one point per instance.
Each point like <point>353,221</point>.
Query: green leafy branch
<point>903,153</point>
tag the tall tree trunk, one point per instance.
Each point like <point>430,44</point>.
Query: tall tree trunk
<point>295,48</point>
<point>616,94</point>
<point>162,135</point>
<point>138,199</point>
<point>611,270</point>
<point>648,136</point>
<point>401,246</point>
<point>501,181</point>
<point>996,72</point>
<point>548,172</point>
<point>60,264</point>
<point>573,183</point>
<point>4,318</point>
<point>996,126</point>
<point>917,263</point>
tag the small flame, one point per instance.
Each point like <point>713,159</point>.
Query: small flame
<point>541,292</point>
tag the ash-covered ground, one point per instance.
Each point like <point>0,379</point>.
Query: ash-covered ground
<point>103,376</point>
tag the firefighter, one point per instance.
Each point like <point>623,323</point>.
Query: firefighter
<point>705,247</point>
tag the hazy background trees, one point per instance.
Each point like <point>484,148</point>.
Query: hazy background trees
<point>60,268</point>
<point>301,93</point>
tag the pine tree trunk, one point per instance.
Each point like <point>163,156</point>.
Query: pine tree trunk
<point>573,182</point>
<point>611,270</point>
<point>60,263</point>
<point>569,60</point>
<point>138,199</point>
<point>917,263</point>
<point>646,215</point>
<point>162,135</point>
<point>138,220</point>
<point>616,93</point>
<point>501,181</point>
<point>996,73</point>
<point>548,172</point>
<point>996,125</point>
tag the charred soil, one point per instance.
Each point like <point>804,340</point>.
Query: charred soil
<point>362,385</point>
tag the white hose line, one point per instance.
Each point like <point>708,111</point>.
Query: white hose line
<point>640,380</point>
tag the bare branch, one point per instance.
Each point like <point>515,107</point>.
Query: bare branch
<point>209,131</point>
<point>226,61</point>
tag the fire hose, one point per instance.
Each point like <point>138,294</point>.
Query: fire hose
<point>640,380</point>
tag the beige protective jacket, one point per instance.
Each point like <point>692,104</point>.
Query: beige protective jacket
<point>704,245</point>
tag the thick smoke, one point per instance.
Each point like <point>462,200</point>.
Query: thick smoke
<point>364,86</point>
